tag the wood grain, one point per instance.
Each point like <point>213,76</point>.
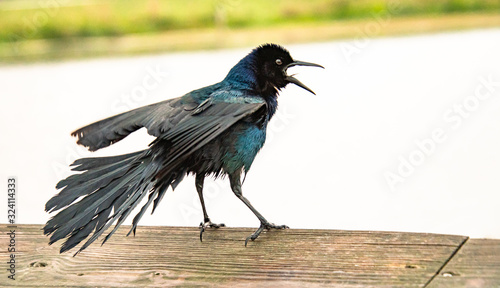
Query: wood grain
<point>476,264</point>
<point>171,256</point>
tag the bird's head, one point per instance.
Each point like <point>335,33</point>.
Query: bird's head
<point>272,62</point>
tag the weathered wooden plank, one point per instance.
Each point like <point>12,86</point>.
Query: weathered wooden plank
<point>166,256</point>
<point>476,264</point>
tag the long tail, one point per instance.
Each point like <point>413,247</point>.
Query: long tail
<point>108,190</point>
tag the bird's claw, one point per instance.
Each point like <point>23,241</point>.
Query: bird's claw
<point>208,224</point>
<point>263,226</point>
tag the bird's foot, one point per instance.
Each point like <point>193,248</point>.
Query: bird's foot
<point>208,224</point>
<point>266,226</point>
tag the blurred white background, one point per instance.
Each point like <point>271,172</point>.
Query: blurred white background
<point>403,135</point>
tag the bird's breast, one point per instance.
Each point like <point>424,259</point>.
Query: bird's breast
<point>249,139</point>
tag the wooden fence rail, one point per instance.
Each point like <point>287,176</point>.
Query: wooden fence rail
<point>174,256</point>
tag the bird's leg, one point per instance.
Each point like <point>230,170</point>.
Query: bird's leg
<point>206,220</point>
<point>235,181</point>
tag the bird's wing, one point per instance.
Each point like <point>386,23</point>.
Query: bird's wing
<point>169,120</point>
<point>157,118</point>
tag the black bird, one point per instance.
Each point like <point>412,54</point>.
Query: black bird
<point>216,130</point>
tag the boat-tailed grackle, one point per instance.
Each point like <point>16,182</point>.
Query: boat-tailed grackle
<point>216,130</point>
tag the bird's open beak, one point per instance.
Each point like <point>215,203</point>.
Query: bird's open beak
<point>294,80</point>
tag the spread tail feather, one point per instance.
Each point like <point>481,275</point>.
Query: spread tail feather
<point>108,190</point>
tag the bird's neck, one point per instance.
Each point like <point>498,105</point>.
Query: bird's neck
<point>244,76</point>
<point>272,105</point>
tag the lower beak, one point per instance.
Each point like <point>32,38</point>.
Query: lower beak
<point>294,80</point>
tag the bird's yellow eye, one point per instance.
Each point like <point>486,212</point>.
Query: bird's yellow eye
<point>278,61</point>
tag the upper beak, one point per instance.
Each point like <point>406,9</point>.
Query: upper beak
<point>294,80</point>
